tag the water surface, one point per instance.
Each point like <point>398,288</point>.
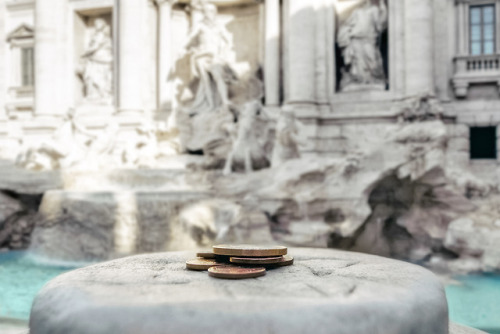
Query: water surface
<point>21,277</point>
<point>475,302</point>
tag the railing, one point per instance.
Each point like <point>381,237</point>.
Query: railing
<point>478,63</point>
<point>475,70</point>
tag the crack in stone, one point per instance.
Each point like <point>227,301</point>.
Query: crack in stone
<point>318,290</point>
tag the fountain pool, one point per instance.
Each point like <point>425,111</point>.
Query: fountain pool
<point>21,277</point>
<point>475,302</point>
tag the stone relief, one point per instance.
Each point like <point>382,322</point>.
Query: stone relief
<point>74,147</point>
<point>65,148</point>
<point>97,74</point>
<point>359,40</point>
<point>288,140</point>
<point>424,107</point>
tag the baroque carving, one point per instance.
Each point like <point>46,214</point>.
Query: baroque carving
<point>288,140</point>
<point>65,148</point>
<point>209,45</point>
<point>359,40</point>
<point>424,107</point>
<point>97,72</point>
<point>247,147</point>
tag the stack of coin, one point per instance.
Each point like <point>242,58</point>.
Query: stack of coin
<point>240,261</point>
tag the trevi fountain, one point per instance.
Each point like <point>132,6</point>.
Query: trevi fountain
<point>147,126</point>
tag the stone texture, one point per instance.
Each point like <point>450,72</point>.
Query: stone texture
<point>89,226</point>
<point>325,291</point>
<point>475,238</point>
<point>460,329</point>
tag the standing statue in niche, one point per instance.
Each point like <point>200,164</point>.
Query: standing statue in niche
<point>359,40</point>
<point>210,44</point>
<point>98,65</point>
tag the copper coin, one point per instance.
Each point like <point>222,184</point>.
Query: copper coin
<point>285,260</point>
<point>206,255</point>
<point>256,260</point>
<point>201,264</point>
<point>233,272</point>
<point>249,250</point>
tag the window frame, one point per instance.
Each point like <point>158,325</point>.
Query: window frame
<point>482,25</point>
<point>473,153</point>
<point>20,39</point>
<point>27,66</point>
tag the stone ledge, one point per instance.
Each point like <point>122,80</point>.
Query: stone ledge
<point>326,291</point>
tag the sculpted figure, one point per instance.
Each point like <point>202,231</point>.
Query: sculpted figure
<point>287,142</point>
<point>209,44</point>
<point>247,147</point>
<point>67,146</point>
<point>98,64</point>
<point>359,39</point>
<point>423,107</point>
<point>143,149</point>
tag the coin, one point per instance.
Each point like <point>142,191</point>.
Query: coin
<point>201,264</point>
<point>206,255</point>
<point>233,272</point>
<point>285,260</point>
<point>249,250</point>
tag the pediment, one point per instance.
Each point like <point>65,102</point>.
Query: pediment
<point>21,32</point>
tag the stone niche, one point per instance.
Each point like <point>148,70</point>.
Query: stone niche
<point>361,45</point>
<point>93,57</point>
<point>244,22</point>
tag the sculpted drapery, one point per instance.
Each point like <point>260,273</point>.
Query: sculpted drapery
<point>98,65</point>
<point>359,40</point>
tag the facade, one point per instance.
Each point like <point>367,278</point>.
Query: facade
<point>345,67</point>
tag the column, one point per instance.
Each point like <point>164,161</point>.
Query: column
<point>300,35</point>
<point>165,92</point>
<point>49,56</point>
<point>462,50</point>
<point>272,66</point>
<point>419,46</point>
<point>132,58</point>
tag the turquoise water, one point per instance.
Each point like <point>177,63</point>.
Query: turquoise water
<point>476,302</point>
<point>20,280</point>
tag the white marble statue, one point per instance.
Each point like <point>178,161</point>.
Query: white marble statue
<point>98,64</point>
<point>64,149</point>
<point>143,149</point>
<point>209,45</point>
<point>288,140</point>
<point>247,147</point>
<point>359,39</point>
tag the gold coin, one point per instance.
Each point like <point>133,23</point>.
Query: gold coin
<point>233,272</point>
<point>206,255</point>
<point>201,264</point>
<point>285,260</point>
<point>249,250</point>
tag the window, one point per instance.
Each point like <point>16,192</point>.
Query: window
<point>483,142</point>
<point>27,73</point>
<point>482,29</point>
